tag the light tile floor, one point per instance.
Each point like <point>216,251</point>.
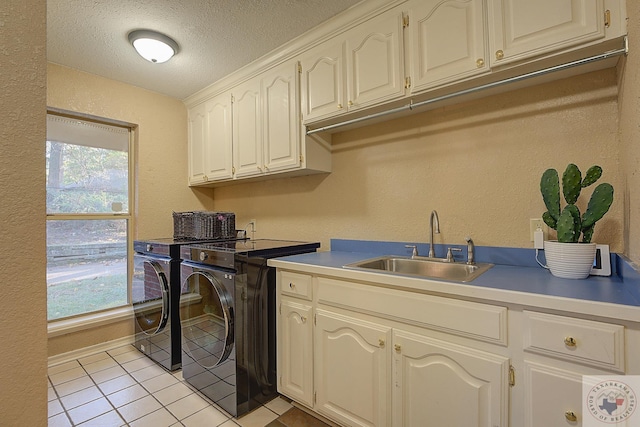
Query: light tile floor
<point>123,387</point>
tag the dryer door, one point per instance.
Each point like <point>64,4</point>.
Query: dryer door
<point>150,294</point>
<point>207,319</point>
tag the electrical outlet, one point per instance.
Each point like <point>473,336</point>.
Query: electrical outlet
<point>534,224</point>
<point>253,225</point>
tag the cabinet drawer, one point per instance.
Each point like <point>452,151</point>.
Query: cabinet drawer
<point>482,322</point>
<point>295,284</point>
<point>577,340</point>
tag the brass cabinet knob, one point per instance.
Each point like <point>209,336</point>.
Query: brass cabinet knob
<point>398,348</point>
<point>381,343</point>
<point>266,167</point>
<point>570,342</point>
<point>206,178</point>
<point>480,63</point>
<point>499,54</point>
<point>303,319</point>
<point>339,106</point>
<point>350,103</point>
<point>571,416</point>
<point>292,286</point>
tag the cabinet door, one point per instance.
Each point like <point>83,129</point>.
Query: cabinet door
<point>447,41</point>
<point>196,147</point>
<point>218,154</point>
<point>247,130</point>
<point>209,147</point>
<point>522,29</point>
<point>352,373</point>
<point>323,82</point>
<point>439,384</point>
<point>375,61</point>
<point>552,395</point>
<point>281,117</point>
<point>295,351</point>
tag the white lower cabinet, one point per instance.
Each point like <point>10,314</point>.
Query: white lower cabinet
<point>442,384</point>
<point>362,353</point>
<point>353,370</point>
<point>367,369</point>
<point>296,352</point>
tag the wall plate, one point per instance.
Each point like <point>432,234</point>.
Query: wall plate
<point>602,262</point>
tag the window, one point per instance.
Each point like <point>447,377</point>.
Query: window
<point>88,167</point>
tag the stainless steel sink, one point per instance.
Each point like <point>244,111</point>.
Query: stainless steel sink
<point>422,267</point>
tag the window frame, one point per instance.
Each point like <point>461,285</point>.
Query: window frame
<point>114,314</point>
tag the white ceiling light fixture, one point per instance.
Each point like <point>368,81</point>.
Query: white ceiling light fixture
<point>153,46</point>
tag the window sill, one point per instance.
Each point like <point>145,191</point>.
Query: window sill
<point>65,326</point>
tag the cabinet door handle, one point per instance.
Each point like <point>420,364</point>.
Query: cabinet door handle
<point>381,343</point>
<point>571,416</point>
<point>480,63</point>
<point>292,286</point>
<point>398,348</point>
<point>303,319</point>
<point>499,54</point>
<point>339,106</point>
<point>350,103</point>
<point>570,342</point>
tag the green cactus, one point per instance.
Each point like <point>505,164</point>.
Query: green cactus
<point>567,222</point>
<point>550,189</point>
<point>571,183</point>
<point>593,174</point>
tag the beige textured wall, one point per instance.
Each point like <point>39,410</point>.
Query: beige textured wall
<point>23,334</point>
<point>630,133</point>
<point>161,163</point>
<point>477,163</point>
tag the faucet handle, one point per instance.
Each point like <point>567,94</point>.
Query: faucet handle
<point>450,254</point>
<point>414,252</point>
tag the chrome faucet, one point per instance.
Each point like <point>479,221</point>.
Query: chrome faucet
<point>470,250</point>
<point>432,217</point>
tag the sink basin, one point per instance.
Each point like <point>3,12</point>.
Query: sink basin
<point>422,267</point>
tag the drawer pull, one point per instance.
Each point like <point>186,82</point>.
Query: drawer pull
<point>398,348</point>
<point>381,343</point>
<point>292,286</point>
<point>571,416</point>
<point>570,341</point>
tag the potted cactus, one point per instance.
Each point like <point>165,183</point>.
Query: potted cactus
<point>571,256</point>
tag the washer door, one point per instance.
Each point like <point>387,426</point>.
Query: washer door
<point>150,295</point>
<point>207,319</point>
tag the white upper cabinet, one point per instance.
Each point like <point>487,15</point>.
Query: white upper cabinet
<point>360,68</point>
<point>210,155</point>
<point>446,41</point>
<point>375,61</point>
<point>281,117</point>
<point>323,81</point>
<point>522,29</point>
<point>247,129</point>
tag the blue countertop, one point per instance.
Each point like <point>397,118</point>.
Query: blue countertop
<point>515,270</point>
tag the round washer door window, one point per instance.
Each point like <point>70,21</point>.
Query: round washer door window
<point>207,319</point>
<point>150,294</point>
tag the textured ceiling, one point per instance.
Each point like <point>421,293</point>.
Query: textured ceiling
<point>216,37</point>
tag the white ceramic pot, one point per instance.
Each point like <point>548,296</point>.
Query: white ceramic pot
<point>569,260</point>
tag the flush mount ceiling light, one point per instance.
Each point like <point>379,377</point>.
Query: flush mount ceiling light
<point>153,46</point>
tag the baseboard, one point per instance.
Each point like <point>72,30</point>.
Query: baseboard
<point>88,351</point>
